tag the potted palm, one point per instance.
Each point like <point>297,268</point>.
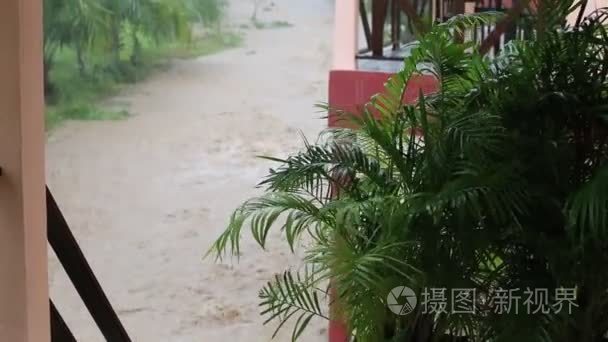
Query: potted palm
<point>495,185</point>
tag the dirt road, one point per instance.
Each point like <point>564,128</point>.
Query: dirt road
<point>146,196</point>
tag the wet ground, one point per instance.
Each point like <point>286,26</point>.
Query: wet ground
<point>147,196</point>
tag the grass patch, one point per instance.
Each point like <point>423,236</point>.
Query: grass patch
<point>207,45</point>
<point>76,95</point>
<point>271,25</point>
<point>55,115</point>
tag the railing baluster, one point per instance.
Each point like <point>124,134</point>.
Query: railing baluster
<point>78,270</point>
<point>379,11</point>
<point>365,21</point>
<point>60,332</point>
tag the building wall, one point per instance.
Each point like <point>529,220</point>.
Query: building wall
<point>24,309</point>
<point>592,5</point>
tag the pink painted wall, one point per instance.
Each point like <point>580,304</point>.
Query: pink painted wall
<point>592,5</point>
<point>350,90</point>
<point>346,23</point>
<point>24,309</point>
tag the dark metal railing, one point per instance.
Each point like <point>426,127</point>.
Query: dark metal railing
<point>60,332</point>
<point>80,273</point>
<point>387,15</point>
<point>517,30</point>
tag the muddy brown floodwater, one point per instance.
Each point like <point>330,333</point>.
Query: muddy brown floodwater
<point>147,196</point>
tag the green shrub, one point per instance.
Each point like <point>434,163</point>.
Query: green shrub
<point>208,12</point>
<point>91,47</point>
<point>496,181</point>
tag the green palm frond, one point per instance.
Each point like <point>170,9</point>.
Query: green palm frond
<point>496,179</point>
<point>290,298</point>
<point>461,22</point>
<point>553,13</point>
<point>587,209</point>
<point>262,213</point>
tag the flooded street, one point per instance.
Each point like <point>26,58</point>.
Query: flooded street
<point>146,196</point>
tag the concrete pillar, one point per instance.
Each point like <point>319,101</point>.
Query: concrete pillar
<point>345,34</point>
<point>24,309</point>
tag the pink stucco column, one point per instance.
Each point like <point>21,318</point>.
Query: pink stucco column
<point>346,15</point>
<point>24,308</point>
<point>345,34</point>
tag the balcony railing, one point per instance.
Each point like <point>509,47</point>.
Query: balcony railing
<point>388,25</point>
<point>78,270</point>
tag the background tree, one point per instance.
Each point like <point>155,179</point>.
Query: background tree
<point>208,12</point>
<point>66,23</point>
<point>117,28</point>
<point>256,8</point>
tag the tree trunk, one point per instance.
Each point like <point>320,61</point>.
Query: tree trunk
<point>82,68</point>
<point>136,53</point>
<point>115,36</point>
<point>47,65</point>
<point>48,86</point>
<point>254,15</point>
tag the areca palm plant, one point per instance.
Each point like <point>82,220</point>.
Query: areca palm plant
<point>496,183</point>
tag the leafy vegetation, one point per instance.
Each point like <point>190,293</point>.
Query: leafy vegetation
<point>497,180</point>
<point>260,25</point>
<point>273,24</point>
<point>92,46</point>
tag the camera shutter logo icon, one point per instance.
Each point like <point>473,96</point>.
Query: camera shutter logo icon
<point>401,300</point>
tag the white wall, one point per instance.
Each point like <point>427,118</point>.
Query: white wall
<point>592,5</point>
